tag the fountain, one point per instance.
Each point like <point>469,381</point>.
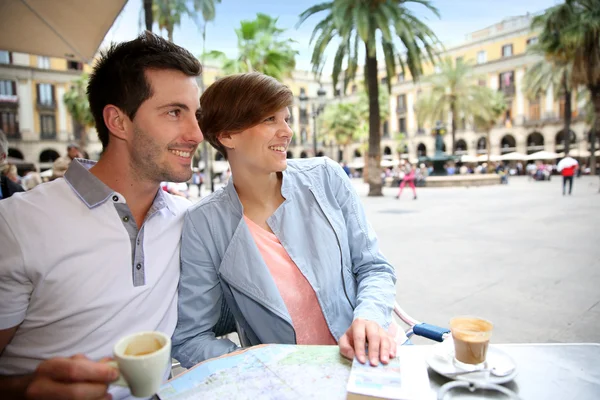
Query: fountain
<point>439,158</point>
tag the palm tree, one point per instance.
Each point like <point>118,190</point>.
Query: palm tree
<point>454,92</point>
<point>208,11</point>
<point>543,75</point>
<point>260,48</point>
<point>570,33</point>
<point>406,42</point>
<point>148,15</point>
<point>168,13</point>
<point>492,105</point>
<point>77,105</point>
<point>341,122</point>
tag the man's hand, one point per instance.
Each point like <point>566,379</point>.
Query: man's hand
<point>382,346</point>
<point>76,377</point>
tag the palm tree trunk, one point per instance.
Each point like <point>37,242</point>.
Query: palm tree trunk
<point>148,18</point>
<point>453,110</point>
<point>568,113</point>
<point>595,95</point>
<point>374,153</point>
<point>170,34</point>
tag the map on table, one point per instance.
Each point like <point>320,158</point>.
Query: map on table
<point>267,372</point>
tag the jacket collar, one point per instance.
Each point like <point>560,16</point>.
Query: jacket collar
<point>286,192</point>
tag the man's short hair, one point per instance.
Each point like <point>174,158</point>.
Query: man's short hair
<point>119,75</point>
<point>73,146</point>
<point>3,145</point>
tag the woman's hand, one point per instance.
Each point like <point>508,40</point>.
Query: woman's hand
<point>363,332</point>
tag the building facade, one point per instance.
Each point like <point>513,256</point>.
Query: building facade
<point>39,127</point>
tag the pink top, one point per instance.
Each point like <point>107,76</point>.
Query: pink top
<point>297,293</point>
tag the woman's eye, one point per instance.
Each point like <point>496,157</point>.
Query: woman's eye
<point>270,119</point>
<point>174,113</point>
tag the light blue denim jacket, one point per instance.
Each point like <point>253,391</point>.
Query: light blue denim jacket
<point>322,226</point>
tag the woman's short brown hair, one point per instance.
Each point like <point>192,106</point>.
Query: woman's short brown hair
<point>238,102</point>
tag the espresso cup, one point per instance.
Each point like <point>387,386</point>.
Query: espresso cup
<point>471,337</point>
<point>142,359</point>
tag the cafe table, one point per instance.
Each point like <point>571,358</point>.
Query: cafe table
<point>561,371</point>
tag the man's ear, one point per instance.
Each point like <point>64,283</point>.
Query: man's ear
<point>227,140</point>
<point>115,121</point>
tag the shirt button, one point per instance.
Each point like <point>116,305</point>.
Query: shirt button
<point>126,219</point>
<point>139,266</point>
<point>115,198</point>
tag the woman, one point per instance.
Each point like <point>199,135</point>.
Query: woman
<point>286,243</point>
<point>409,178</point>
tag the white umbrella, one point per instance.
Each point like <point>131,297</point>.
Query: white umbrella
<point>66,28</point>
<point>543,155</point>
<point>514,156</point>
<point>484,157</point>
<point>469,159</point>
<point>566,162</point>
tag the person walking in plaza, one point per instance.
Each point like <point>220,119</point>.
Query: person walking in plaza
<point>409,178</point>
<point>94,256</point>
<point>7,186</point>
<point>286,244</point>
<point>567,168</point>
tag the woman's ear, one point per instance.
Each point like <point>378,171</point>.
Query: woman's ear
<point>227,140</point>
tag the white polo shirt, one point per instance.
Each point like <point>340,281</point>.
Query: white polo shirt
<point>76,274</point>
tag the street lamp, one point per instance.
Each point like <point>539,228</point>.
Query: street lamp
<point>321,93</point>
<point>303,100</point>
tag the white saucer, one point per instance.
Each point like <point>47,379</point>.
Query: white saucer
<point>442,356</point>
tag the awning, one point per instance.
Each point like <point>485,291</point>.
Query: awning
<point>543,155</point>
<point>514,156</point>
<point>71,29</point>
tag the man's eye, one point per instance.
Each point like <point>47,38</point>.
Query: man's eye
<point>174,113</point>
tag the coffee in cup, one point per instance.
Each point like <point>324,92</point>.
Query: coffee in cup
<point>142,360</point>
<point>471,337</point>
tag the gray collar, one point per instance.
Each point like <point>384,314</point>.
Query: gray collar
<point>93,192</point>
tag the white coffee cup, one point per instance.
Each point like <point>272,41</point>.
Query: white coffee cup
<point>142,359</point>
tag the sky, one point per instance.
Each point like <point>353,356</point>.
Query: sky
<point>458,17</point>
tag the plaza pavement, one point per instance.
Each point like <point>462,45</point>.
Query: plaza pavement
<point>521,255</point>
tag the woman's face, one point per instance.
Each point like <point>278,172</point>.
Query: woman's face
<point>263,147</point>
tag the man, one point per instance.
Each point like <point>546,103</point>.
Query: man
<point>94,256</point>
<point>7,186</point>
<point>61,164</point>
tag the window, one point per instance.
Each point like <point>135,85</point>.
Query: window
<point>302,91</point>
<point>534,109</point>
<point>507,50</point>
<point>74,66</point>
<point>401,77</point>
<point>303,136</point>
<point>7,88</point>
<point>5,57</point>
<point>9,123</point>
<point>386,129</point>
<point>402,125</point>
<point>45,92</point>
<point>48,126</point>
<point>384,80</point>
<point>507,82</point>
<point>531,41</point>
<point>43,62</point>
<point>354,89</point>
<point>481,57</point>
<point>303,117</point>
<point>401,103</point>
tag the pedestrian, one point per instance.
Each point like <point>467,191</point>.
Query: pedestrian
<point>61,164</point>
<point>409,178</point>
<point>7,186</point>
<point>286,244</point>
<point>567,167</point>
<point>94,256</point>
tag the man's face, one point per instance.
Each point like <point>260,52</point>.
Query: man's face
<point>165,128</point>
<point>73,153</point>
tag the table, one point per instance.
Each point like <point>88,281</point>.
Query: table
<point>546,371</point>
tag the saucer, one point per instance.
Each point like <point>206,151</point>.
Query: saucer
<point>441,360</point>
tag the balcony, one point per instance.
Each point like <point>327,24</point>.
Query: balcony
<point>8,99</point>
<point>508,91</point>
<point>401,109</point>
<point>46,106</point>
